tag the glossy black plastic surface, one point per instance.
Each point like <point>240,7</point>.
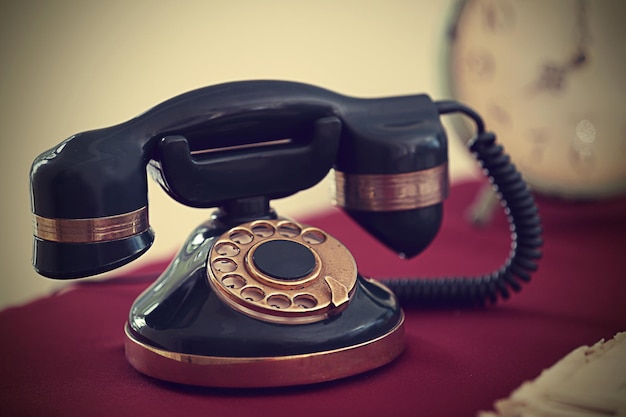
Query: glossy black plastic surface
<point>180,313</point>
<point>275,170</point>
<point>74,260</point>
<point>102,172</point>
<point>407,232</point>
<point>203,148</point>
<point>284,259</point>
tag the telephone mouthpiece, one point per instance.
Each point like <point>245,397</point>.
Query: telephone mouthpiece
<point>403,211</point>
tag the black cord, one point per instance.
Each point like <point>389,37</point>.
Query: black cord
<point>448,106</point>
<point>525,225</point>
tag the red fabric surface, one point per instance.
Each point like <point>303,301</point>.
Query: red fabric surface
<point>63,355</point>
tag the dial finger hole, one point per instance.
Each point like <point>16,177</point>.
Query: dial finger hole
<point>252,293</point>
<point>224,265</point>
<point>227,249</point>
<point>314,237</point>
<point>233,281</point>
<point>243,237</point>
<point>263,229</point>
<point>305,301</point>
<point>278,301</point>
<point>288,230</point>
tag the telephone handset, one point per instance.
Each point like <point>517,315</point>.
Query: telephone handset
<point>251,293</point>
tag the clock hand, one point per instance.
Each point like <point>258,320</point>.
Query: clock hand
<point>578,59</point>
<point>552,76</point>
<point>581,32</point>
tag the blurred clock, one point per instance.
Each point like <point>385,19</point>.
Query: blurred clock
<point>549,77</point>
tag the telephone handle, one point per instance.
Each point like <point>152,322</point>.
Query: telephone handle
<point>212,146</point>
<point>101,172</point>
<point>275,137</point>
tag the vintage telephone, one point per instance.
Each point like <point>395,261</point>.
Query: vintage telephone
<point>253,299</point>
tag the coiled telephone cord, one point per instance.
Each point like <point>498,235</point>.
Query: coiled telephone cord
<point>525,226</point>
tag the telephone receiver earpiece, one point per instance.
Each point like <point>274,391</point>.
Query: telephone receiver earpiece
<point>243,141</point>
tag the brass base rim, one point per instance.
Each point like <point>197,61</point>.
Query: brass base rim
<point>264,372</point>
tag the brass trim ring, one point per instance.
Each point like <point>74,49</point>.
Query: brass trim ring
<point>98,229</point>
<point>391,192</point>
<point>308,368</point>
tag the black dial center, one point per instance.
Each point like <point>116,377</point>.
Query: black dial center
<point>284,259</point>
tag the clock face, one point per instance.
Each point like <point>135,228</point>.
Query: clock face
<point>549,78</point>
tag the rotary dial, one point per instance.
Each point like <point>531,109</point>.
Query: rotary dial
<point>283,272</point>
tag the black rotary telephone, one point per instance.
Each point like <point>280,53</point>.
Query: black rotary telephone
<point>254,299</point>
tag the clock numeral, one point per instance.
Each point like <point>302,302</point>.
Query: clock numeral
<point>539,139</point>
<point>498,16</point>
<point>479,64</point>
<point>500,115</point>
<point>552,77</point>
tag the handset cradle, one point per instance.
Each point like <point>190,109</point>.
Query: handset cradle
<point>250,291</point>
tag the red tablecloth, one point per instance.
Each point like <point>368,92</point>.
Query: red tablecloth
<point>63,355</point>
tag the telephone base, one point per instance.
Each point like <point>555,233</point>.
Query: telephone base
<point>263,372</point>
<point>201,322</point>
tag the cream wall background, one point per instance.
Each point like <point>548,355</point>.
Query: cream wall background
<point>69,66</point>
